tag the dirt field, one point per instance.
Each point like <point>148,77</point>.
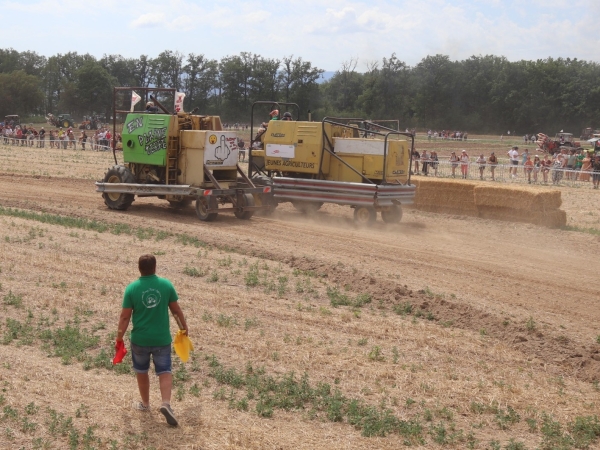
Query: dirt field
<point>439,332</point>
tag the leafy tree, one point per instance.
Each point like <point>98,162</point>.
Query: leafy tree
<point>20,93</point>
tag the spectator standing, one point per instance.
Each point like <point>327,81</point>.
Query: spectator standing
<point>481,162</point>
<point>524,156</point>
<point>558,168</point>
<point>596,171</point>
<point>434,162</point>
<point>416,157</point>
<point>493,162</point>
<point>425,162</point>
<point>586,167</point>
<point>453,163</point>
<point>42,138</point>
<point>571,161</point>
<point>546,164</point>
<point>528,167</point>
<point>513,155</point>
<point>83,139</point>
<point>537,166</point>
<point>464,164</point>
<point>579,163</point>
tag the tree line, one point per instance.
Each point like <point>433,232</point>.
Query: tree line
<point>479,94</point>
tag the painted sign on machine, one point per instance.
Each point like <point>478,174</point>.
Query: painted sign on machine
<point>280,150</point>
<point>221,149</point>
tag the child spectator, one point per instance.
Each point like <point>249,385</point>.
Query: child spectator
<point>464,164</point>
<point>528,168</point>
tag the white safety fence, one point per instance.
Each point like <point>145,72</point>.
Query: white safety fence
<point>504,173</point>
<point>35,141</point>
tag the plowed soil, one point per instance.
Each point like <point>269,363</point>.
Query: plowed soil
<point>502,314</point>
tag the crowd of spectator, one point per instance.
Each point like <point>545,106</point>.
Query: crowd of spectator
<point>572,164</point>
<point>23,135</point>
<point>447,134</point>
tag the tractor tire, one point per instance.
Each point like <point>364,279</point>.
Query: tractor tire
<point>201,207</point>
<point>66,124</point>
<point>393,215</point>
<point>121,201</point>
<point>248,201</point>
<point>365,215</point>
<point>307,207</point>
<point>88,126</point>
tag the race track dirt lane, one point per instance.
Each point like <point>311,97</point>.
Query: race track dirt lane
<point>501,267</point>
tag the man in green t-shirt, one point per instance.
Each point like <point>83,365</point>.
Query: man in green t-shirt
<point>146,303</point>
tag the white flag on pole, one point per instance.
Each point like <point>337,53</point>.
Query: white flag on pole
<point>135,98</point>
<point>179,96</point>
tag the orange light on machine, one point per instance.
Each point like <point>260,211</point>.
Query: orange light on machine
<point>266,189</point>
<point>207,192</point>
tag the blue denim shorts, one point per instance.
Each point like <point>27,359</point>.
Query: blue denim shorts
<point>160,355</point>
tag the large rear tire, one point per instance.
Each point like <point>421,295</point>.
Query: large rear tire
<point>393,215</point>
<point>66,124</point>
<point>248,200</point>
<point>120,201</point>
<point>201,210</point>
<point>365,215</point>
<point>88,126</point>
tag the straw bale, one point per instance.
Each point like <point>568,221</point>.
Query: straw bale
<point>518,197</point>
<point>551,218</point>
<point>445,196</point>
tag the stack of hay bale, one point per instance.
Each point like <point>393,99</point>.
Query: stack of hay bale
<point>510,203</point>
<point>521,204</point>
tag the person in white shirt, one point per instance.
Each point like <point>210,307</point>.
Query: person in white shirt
<point>513,154</point>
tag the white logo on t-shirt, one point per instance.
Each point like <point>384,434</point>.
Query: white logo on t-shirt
<point>151,298</point>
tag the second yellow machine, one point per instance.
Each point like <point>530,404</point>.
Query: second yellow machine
<point>349,161</point>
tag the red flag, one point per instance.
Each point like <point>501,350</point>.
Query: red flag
<point>120,352</point>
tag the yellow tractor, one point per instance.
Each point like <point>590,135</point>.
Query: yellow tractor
<point>345,161</point>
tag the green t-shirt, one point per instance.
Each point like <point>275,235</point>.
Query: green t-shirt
<point>149,296</point>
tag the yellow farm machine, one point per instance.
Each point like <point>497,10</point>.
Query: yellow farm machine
<point>184,157</point>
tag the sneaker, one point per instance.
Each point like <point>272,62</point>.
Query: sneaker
<point>140,407</point>
<point>168,413</point>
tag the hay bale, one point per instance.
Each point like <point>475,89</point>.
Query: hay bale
<point>518,197</point>
<point>509,203</point>
<point>552,218</point>
<point>445,196</point>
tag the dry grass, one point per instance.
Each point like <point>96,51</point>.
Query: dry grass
<point>422,370</point>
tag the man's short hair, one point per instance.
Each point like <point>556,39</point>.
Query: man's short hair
<point>147,265</point>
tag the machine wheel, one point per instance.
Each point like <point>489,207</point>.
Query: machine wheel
<point>248,201</point>
<point>121,201</point>
<point>88,126</point>
<point>364,215</point>
<point>393,215</point>
<point>307,207</point>
<point>201,210</point>
<point>66,124</point>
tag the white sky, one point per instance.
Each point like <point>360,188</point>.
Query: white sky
<point>326,33</point>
